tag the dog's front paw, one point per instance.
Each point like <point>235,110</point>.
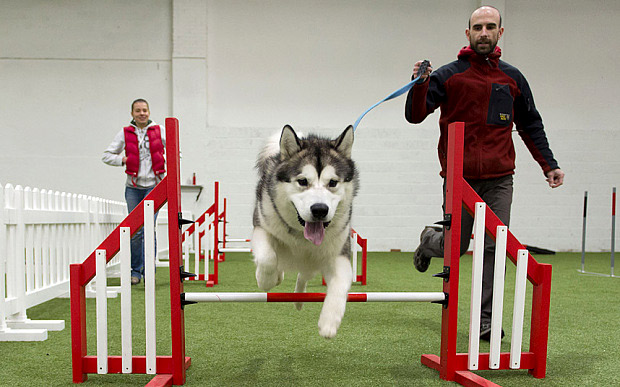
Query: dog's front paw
<point>328,325</point>
<point>299,305</point>
<point>268,278</point>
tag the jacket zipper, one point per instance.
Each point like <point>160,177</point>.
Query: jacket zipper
<point>489,92</point>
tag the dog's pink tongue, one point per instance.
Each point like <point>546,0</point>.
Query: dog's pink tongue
<point>314,232</point>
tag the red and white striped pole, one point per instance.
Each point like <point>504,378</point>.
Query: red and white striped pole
<point>437,297</point>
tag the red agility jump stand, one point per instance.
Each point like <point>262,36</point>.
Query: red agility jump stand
<point>450,364</point>
<point>170,369</point>
<point>363,243</point>
<point>221,218</point>
<point>226,240</point>
<point>224,236</point>
<point>210,279</point>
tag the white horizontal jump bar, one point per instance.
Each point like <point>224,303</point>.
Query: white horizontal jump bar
<point>404,297</point>
<point>235,250</point>
<point>226,297</point>
<point>315,297</point>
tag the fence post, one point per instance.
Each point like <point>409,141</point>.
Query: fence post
<point>18,280</point>
<point>45,243</point>
<point>28,242</point>
<point>83,233</point>
<point>3,251</point>
<point>38,240</point>
<point>75,234</point>
<point>52,234</point>
<point>8,256</point>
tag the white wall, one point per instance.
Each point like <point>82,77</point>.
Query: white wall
<point>317,66</point>
<point>68,73</point>
<point>235,72</point>
<point>573,73</point>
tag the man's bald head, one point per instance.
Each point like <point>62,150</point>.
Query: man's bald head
<point>485,29</point>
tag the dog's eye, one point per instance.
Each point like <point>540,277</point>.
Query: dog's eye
<point>302,182</point>
<point>333,183</point>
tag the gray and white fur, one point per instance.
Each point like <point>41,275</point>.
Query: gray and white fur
<point>302,217</point>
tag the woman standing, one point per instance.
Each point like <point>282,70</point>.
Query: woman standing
<point>143,142</point>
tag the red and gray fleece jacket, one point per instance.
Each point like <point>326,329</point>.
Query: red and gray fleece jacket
<point>489,95</point>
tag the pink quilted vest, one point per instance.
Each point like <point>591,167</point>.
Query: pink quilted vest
<point>133,153</point>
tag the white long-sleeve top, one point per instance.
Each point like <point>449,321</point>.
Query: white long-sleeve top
<point>114,153</point>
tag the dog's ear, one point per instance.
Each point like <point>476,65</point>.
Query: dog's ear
<point>289,142</point>
<point>344,143</point>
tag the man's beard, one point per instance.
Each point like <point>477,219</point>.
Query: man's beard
<point>489,49</point>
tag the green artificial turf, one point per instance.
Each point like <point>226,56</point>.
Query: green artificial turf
<point>378,344</point>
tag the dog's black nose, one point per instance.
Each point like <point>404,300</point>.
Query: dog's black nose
<point>319,210</point>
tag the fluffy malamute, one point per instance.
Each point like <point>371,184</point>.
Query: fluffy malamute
<point>302,217</point>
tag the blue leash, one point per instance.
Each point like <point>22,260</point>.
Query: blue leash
<point>397,93</point>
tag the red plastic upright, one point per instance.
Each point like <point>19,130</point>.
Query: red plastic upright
<point>452,250</point>
<point>170,369</point>
<point>177,314</point>
<point>223,216</point>
<point>210,279</point>
<point>216,231</point>
<point>451,365</point>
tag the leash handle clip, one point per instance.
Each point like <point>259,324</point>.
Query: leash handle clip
<point>422,70</point>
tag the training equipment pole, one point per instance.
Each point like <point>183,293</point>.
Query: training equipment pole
<point>177,315</point>
<point>437,297</point>
<point>452,250</point>
<point>583,232</point>
<point>613,229</point>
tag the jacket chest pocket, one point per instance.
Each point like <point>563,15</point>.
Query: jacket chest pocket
<point>500,105</point>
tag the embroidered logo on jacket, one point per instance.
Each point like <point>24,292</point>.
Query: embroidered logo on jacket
<point>504,117</point>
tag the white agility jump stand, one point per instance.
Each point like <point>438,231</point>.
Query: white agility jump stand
<point>498,296</point>
<point>452,366</point>
<point>149,302</point>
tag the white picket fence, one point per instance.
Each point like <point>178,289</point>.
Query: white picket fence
<point>41,233</point>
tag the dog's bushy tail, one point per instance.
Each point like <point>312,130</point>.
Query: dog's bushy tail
<point>271,149</point>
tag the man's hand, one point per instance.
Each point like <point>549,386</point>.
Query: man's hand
<point>416,67</point>
<point>555,178</point>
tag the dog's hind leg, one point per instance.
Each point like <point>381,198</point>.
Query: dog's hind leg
<point>300,286</point>
<point>338,278</point>
<point>267,273</point>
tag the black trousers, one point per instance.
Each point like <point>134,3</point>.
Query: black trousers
<point>497,193</point>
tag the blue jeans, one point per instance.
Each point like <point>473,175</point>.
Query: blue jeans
<point>134,196</point>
